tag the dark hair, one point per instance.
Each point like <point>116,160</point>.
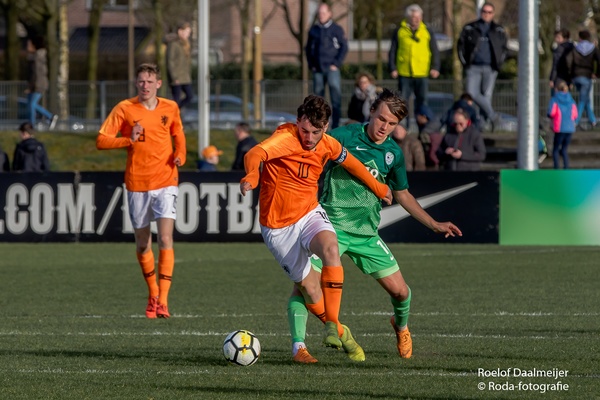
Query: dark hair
<point>394,101</point>
<point>27,127</point>
<point>149,68</point>
<point>466,97</point>
<point>316,110</point>
<point>564,32</point>
<point>585,35</point>
<point>366,74</point>
<point>243,126</point>
<point>38,41</point>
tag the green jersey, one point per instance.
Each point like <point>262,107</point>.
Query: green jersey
<point>350,205</point>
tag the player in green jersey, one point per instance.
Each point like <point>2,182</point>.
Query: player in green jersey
<point>354,213</point>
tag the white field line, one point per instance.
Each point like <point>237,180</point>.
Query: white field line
<point>280,334</point>
<point>354,372</point>
<point>354,314</point>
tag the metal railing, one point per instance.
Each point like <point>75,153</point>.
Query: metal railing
<point>276,96</point>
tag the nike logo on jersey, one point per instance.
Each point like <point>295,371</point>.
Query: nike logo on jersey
<point>395,213</point>
<point>306,156</point>
<point>135,122</point>
<point>360,148</point>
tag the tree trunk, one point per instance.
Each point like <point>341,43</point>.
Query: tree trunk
<point>63,71</point>
<point>51,21</point>
<point>11,18</point>
<point>159,33</point>
<point>457,70</point>
<point>92,60</point>
<point>244,8</point>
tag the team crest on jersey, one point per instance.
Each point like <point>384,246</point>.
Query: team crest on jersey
<point>164,119</point>
<point>389,158</point>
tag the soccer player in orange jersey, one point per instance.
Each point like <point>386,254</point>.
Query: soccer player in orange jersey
<point>293,224</point>
<point>148,125</point>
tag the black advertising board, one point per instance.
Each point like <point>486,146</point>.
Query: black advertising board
<point>92,207</point>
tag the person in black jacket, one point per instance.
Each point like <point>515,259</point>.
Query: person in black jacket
<point>583,63</point>
<point>482,50</point>
<point>326,49</point>
<point>560,70</point>
<point>30,154</point>
<point>4,162</point>
<point>465,149</point>
<point>365,93</point>
<point>245,142</point>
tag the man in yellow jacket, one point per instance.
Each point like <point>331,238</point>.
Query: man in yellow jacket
<point>414,56</point>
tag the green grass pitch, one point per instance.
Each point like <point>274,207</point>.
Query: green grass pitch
<point>73,325</point>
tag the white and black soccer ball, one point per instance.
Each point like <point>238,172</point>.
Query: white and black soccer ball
<point>241,347</point>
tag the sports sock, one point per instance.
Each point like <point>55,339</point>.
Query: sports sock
<point>166,262</point>
<point>402,310</point>
<point>297,316</point>
<point>146,261</point>
<point>332,280</point>
<point>318,309</point>
<point>297,346</point>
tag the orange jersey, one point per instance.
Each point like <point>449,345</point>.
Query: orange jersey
<point>150,158</point>
<point>290,174</point>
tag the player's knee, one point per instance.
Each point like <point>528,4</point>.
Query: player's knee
<point>331,254</point>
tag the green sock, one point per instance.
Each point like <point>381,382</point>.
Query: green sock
<point>402,310</point>
<point>297,318</point>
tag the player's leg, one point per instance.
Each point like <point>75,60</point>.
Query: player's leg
<point>324,245</point>
<point>164,209</point>
<point>139,213</point>
<point>372,256</point>
<point>297,319</point>
<point>400,295</point>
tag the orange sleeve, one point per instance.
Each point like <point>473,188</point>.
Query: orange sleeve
<point>105,142</point>
<point>252,161</point>
<point>356,168</point>
<point>107,136</point>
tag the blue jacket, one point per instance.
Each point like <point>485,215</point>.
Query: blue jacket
<point>563,112</point>
<point>326,46</point>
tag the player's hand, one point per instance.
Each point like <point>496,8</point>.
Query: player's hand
<point>447,228</point>
<point>136,131</point>
<point>388,197</point>
<point>177,161</point>
<point>245,187</point>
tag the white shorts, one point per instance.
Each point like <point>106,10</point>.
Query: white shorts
<point>290,245</point>
<point>145,207</point>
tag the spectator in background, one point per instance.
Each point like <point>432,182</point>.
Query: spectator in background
<point>463,150</point>
<point>30,154</point>
<point>37,59</point>
<point>326,49</point>
<point>414,155</point>
<point>414,56</point>
<point>563,112</point>
<point>560,71</point>
<point>365,92</point>
<point>466,103</point>
<point>179,65</point>
<point>482,51</point>
<point>245,142</point>
<point>583,63</point>
<point>4,161</point>
<point>210,160</point>
<point>429,133</point>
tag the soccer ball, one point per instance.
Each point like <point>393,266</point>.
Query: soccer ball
<point>241,348</point>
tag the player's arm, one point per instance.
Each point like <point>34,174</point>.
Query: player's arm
<point>252,161</point>
<point>179,156</point>
<point>356,168</point>
<point>107,136</point>
<point>410,204</point>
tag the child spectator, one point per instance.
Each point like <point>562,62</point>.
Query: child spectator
<point>563,112</point>
<point>364,95</point>
<point>210,156</point>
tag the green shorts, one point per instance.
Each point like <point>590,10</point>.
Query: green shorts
<point>370,254</point>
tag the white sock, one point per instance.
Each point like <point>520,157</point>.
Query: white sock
<point>297,346</point>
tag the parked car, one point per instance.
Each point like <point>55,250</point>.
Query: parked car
<point>226,112</point>
<point>10,120</point>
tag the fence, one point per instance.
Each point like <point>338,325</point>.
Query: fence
<point>279,99</point>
